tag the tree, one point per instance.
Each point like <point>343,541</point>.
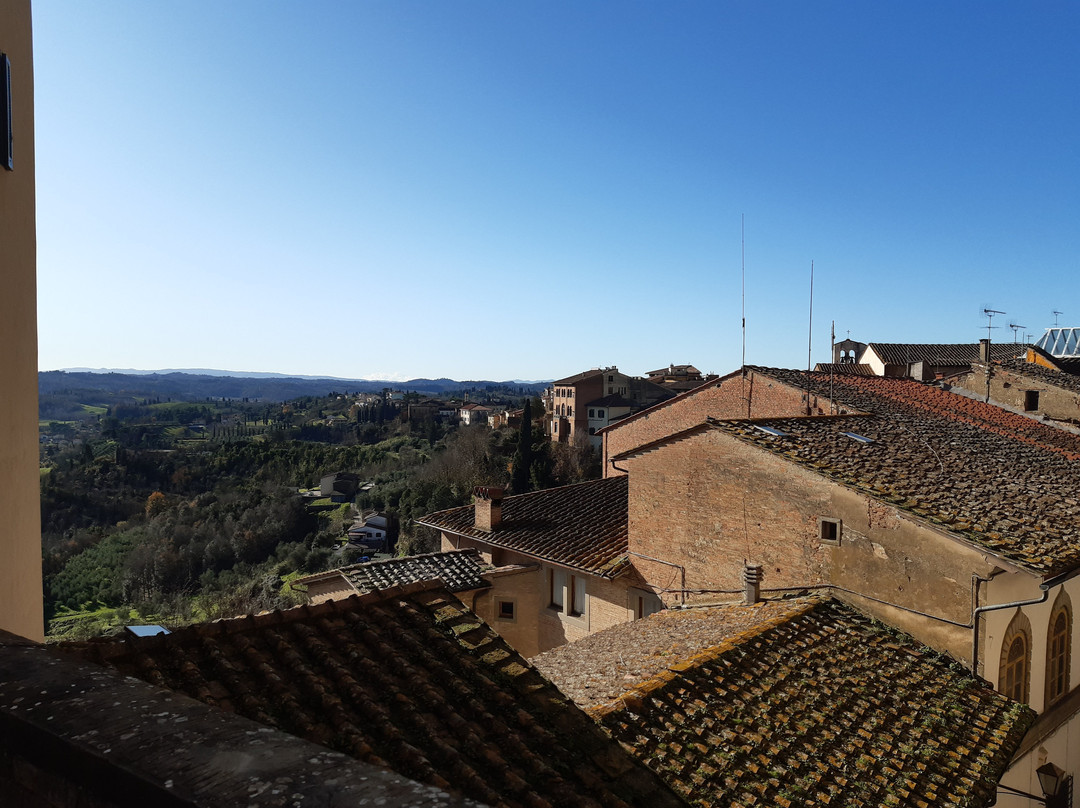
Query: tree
<point>523,457</point>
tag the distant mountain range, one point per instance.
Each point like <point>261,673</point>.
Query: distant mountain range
<point>198,384</point>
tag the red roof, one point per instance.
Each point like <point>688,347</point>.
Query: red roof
<point>583,526</point>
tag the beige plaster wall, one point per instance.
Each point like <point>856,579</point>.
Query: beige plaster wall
<point>537,627</point>
<point>20,524</point>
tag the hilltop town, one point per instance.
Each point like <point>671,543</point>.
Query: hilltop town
<point>851,585</point>
<point>742,587</point>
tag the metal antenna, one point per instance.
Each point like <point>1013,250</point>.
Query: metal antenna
<point>1056,315</point>
<point>1015,328</point>
<point>810,329</point>
<point>990,319</point>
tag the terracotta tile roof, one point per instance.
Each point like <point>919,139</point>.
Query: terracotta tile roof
<point>999,480</point>
<point>597,669</point>
<point>820,707</point>
<point>894,353</point>
<point>1066,379</point>
<point>459,570</point>
<point>407,679</point>
<point>583,526</point>
<point>847,368</point>
<point>580,377</point>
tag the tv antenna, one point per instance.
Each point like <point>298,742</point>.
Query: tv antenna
<point>1056,315</point>
<point>990,319</point>
<point>1015,329</point>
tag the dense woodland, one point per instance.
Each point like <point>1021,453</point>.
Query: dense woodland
<point>172,511</point>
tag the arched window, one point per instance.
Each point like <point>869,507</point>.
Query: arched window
<point>1015,673</point>
<point>1015,669</point>
<point>1058,649</point>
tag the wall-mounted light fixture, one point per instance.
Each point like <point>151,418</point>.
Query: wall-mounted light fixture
<point>1055,784</point>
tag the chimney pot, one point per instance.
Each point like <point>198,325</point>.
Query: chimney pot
<point>752,581</point>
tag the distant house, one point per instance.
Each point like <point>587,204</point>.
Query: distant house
<point>471,414</point>
<point>340,487</point>
<point>371,532</point>
<point>508,418</point>
<point>571,398</point>
<point>678,378</point>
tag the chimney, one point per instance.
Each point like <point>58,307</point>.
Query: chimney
<point>984,351</point>
<point>752,580</point>
<point>488,507</point>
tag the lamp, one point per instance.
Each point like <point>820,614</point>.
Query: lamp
<point>1050,778</point>
<point>1055,784</point>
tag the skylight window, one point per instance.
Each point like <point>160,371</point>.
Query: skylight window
<point>768,430</point>
<point>858,437</point>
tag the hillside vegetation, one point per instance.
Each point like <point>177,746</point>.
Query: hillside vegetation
<point>173,511</point>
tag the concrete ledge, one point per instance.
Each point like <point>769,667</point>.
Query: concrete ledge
<point>75,734</point>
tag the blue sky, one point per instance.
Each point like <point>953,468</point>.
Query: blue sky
<point>526,190</point>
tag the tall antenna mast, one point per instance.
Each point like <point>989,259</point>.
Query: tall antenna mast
<point>1015,329</point>
<point>810,334</point>
<point>990,319</point>
<point>742,238</point>
<point>809,337</point>
<point>1056,315</point>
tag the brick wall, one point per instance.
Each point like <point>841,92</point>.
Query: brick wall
<point>709,502</point>
<point>734,396</point>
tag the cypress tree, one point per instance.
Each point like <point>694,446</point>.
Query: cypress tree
<point>523,457</point>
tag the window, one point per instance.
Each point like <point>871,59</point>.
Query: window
<point>599,413</point>
<point>1058,648</point>
<point>505,610</point>
<point>592,413</point>
<point>1031,400</point>
<point>577,595</point>
<point>1015,670</point>
<point>829,530</point>
<point>557,580</point>
<point>592,430</point>
<point>567,593</point>
<point>644,603</point>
